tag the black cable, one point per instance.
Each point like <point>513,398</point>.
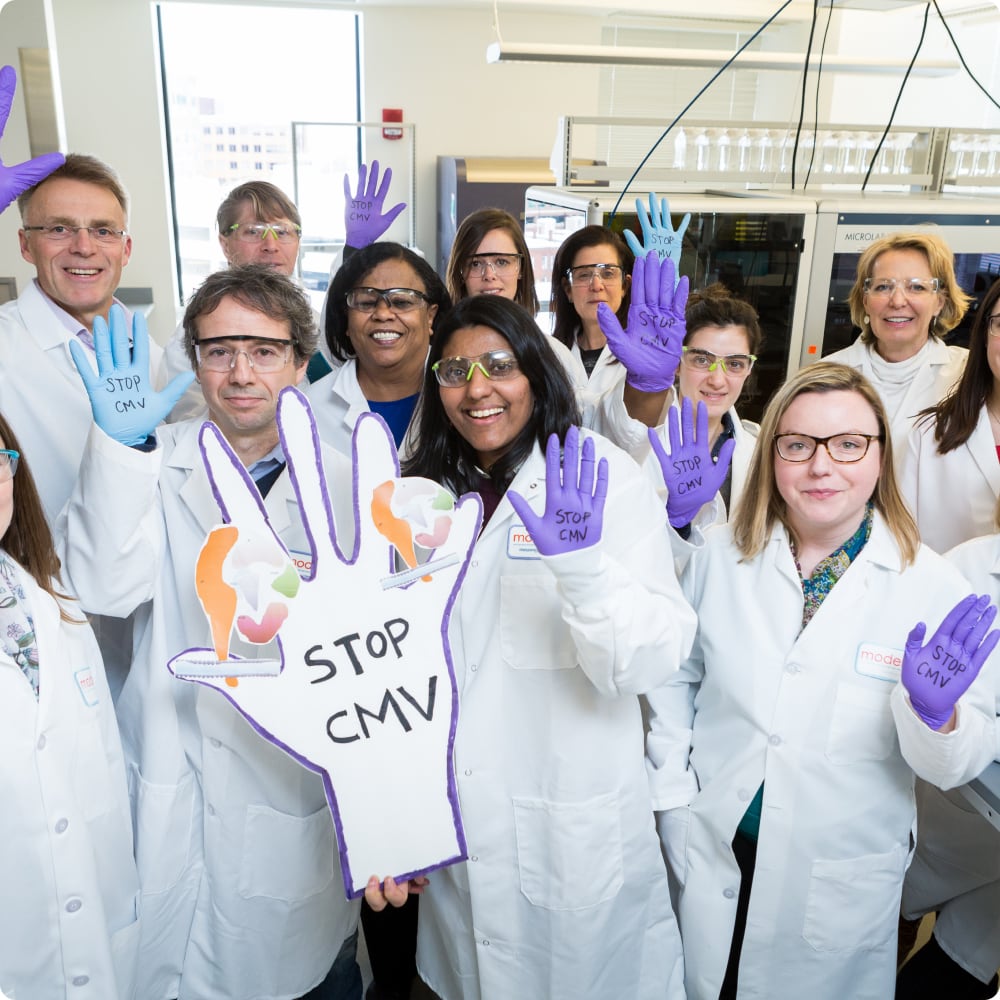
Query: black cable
<point>805,81</point>
<point>902,86</point>
<point>819,76</point>
<point>961,59</point>
<point>687,107</point>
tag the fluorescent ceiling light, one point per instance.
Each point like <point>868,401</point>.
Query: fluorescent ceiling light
<point>635,55</point>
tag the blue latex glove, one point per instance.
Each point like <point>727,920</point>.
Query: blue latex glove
<point>657,232</point>
<point>363,216</point>
<point>937,674</point>
<point>691,475</point>
<point>122,398</point>
<point>650,348</point>
<point>17,179</point>
<point>574,503</point>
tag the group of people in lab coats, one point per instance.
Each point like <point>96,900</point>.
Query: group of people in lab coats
<point>770,632</point>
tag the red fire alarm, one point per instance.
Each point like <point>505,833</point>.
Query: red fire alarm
<point>392,115</point>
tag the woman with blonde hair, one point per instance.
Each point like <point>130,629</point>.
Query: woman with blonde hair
<point>905,299</point>
<point>782,754</point>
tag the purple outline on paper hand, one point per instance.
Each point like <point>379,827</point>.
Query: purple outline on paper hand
<point>209,428</point>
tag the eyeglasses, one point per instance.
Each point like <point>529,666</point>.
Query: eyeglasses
<point>610,274</point>
<point>455,372</point>
<point>698,360</point>
<point>843,448</point>
<point>257,231</point>
<point>398,300</point>
<point>912,288</point>
<point>501,264</point>
<point>61,233</point>
<point>993,325</point>
<point>263,354</point>
<point>8,464</point>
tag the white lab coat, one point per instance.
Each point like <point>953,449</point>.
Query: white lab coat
<point>821,720</point>
<point>953,496</point>
<point>43,399</point>
<point>943,369</point>
<point>956,867</point>
<point>565,891</point>
<point>242,891</point>
<point>69,923</point>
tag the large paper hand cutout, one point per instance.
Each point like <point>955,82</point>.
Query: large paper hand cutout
<point>362,689</point>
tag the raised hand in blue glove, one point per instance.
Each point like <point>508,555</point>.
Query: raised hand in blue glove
<point>650,346</point>
<point>363,216</point>
<point>573,518</point>
<point>122,398</point>
<point>938,673</point>
<point>17,179</point>
<point>692,476</point>
<point>657,232</point>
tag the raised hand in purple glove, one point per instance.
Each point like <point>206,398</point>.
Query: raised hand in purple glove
<point>14,180</point>
<point>363,216</point>
<point>938,673</point>
<point>658,232</point>
<point>574,503</point>
<point>650,347</point>
<point>691,474</point>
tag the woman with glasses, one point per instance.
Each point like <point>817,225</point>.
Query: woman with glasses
<point>905,299</point>
<point>68,917</point>
<point>490,257</point>
<point>951,481</point>
<point>950,475</point>
<point>569,611</point>
<point>380,313</point>
<point>782,754</point>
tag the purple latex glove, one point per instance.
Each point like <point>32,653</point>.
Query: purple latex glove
<point>658,232</point>
<point>574,503</point>
<point>937,674</point>
<point>363,216</point>
<point>17,179</point>
<point>692,476</point>
<point>650,349</point>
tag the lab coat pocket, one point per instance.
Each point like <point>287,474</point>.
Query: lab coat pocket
<point>861,727</point>
<point>125,956</point>
<point>163,817</point>
<point>854,904</point>
<point>533,635</point>
<point>289,858</point>
<point>569,854</point>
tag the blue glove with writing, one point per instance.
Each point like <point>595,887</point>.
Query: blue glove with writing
<point>363,217</point>
<point>692,476</point>
<point>17,179</point>
<point>574,503</point>
<point>650,348</point>
<point>937,674</point>
<point>657,232</point>
<point>122,398</point>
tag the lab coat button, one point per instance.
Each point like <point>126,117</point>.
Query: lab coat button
<point>73,905</point>
<point>211,810</point>
<point>792,668</point>
<point>729,893</point>
<point>474,563</point>
<point>215,743</point>
<point>41,742</point>
<point>774,741</point>
<point>81,980</point>
<point>474,667</point>
<point>61,825</point>
<point>486,944</point>
<point>475,857</point>
<point>467,772</point>
<point>743,795</point>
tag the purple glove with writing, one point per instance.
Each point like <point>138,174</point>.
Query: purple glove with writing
<point>363,217</point>
<point>691,475</point>
<point>574,503</point>
<point>937,674</point>
<point>650,349</point>
<point>17,179</point>
<point>657,231</point>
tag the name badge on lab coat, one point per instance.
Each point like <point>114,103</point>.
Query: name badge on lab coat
<point>519,543</point>
<point>86,685</point>
<point>881,662</point>
<point>302,562</point>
